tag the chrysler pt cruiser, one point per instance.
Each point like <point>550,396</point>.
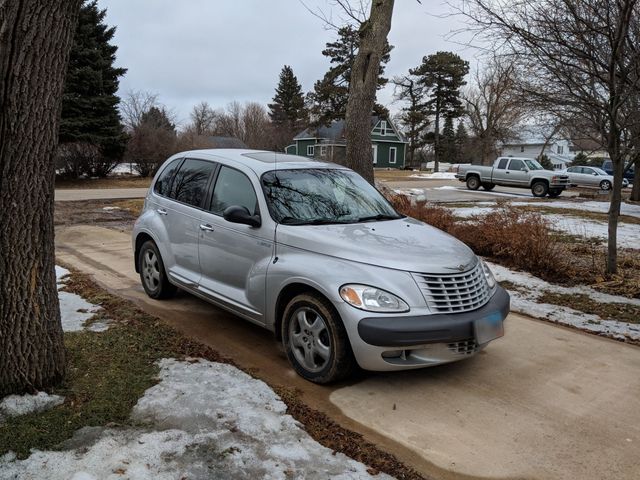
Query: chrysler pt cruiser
<point>314,253</point>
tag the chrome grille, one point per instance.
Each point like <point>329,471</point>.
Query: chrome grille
<point>459,292</point>
<point>464,347</point>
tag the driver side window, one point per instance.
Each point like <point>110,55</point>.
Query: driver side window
<point>233,188</point>
<point>517,165</point>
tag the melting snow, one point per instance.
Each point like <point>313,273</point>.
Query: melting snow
<point>435,176</point>
<point>526,303</point>
<point>15,405</point>
<point>211,421</point>
<point>75,310</point>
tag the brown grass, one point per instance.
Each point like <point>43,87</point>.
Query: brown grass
<point>109,182</point>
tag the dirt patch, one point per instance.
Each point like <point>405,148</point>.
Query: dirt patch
<point>622,312</point>
<point>109,182</point>
<point>120,214</point>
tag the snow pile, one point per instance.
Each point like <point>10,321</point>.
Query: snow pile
<point>75,310</point>
<point>525,302</point>
<point>15,405</point>
<point>435,176</point>
<point>212,420</point>
<point>125,168</point>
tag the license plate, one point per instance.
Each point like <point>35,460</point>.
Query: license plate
<point>489,328</point>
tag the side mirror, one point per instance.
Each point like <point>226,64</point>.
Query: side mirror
<point>594,174</point>
<point>238,214</point>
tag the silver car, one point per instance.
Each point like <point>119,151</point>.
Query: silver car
<point>591,177</point>
<point>317,255</point>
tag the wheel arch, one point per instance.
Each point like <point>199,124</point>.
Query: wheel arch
<point>287,293</point>
<point>140,239</point>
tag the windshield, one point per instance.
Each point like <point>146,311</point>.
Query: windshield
<point>533,165</point>
<point>599,171</point>
<point>323,196</point>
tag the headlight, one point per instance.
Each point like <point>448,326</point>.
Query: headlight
<point>491,281</point>
<point>372,299</point>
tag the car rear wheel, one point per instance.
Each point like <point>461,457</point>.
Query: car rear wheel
<point>473,183</point>
<point>488,186</point>
<point>539,189</point>
<point>315,340</point>
<point>152,272</point>
<point>605,185</point>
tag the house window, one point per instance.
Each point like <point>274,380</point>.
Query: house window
<point>392,155</point>
<point>311,150</point>
<point>323,151</point>
<point>374,153</point>
<point>383,128</point>
<point>560,149</point>
<point>522,149</point>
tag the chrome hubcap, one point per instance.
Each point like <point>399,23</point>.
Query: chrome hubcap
<point>309,339</point>
<point>150,270</point>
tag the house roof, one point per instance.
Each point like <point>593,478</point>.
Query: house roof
<point>336,130</point>
<point>226,142</point>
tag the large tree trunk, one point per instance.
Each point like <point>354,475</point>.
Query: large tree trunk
<point>35,39</point>
<point>362,87</point>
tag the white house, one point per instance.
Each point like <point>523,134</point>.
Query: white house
<point>558,151</point>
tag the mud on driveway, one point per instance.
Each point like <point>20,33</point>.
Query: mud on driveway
<point>543,402</point>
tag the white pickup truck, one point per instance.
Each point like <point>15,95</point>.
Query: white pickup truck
<point>514,172</point>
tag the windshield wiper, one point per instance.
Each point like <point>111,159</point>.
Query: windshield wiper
<point>380,216</point>
<point>316,221</point>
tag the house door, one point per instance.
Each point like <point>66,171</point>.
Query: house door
<point>374,152</point>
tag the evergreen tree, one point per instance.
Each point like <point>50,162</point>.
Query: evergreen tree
<point>442,74</point>
<point>449,151</point>
<point>288,113</point>
<point>151,141</point>
<point>414,115</point>
<point>330,94</point>
<point>462,141</point>
<point>89,103</point>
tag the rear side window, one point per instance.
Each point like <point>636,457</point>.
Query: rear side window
<point>503,163</point>
<point>163,184</point>
<point>517,165</point>
<point>233,188</point>
<point>190,183</point>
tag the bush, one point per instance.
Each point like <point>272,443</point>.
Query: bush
<point>76,159</point>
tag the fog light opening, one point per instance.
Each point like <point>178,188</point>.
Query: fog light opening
<point>401,354</point>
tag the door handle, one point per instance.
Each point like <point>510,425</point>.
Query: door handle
<point>161,211</point>
<point>206,227</point>
<point>507,173</point>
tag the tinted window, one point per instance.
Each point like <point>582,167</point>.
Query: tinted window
<point>517,165</point>
<point>503,163</point>
<point>163,184</point>
<point>190,183</point>
<point>573,169</point>
<point>586,170</point>
<point>233,188</point>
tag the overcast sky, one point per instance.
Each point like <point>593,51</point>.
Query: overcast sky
<point>223,50</point>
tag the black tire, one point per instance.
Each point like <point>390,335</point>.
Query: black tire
<point>304,344</point>
<point>540,189</point>
<point>605,185</point>
<point>488,186</point>
<point>473,182</point>
<point>152,273</point>
<point>554,193</point>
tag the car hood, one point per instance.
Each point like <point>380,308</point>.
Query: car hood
<point>403,244</point>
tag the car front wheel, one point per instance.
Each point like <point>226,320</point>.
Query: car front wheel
<point>315,340</point>
<point>152,272</point>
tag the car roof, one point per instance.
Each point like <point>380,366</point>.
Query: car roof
<point>259,161</point>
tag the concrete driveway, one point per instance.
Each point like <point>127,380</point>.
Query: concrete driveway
<point>543,402</point>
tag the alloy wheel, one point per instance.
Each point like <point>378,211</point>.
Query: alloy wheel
<point>309,339</point>
<point>150,270</point>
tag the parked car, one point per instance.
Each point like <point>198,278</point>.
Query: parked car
<point>514,172</point>
<point>591,177</point>
<point>317,255</point>
<point>607,166</point>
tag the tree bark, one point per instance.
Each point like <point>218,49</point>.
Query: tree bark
<point>35,39</point>
<point>362,87</point>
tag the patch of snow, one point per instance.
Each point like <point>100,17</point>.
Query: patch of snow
<point>435,176</point>
<point>75,310</point>
<point>534,287</point>
<point>629,209</point>
<point>15,405</point>
<point>124,168</point>
<point>446,187</point>
<point>211,421</point>
<point>110,209</point>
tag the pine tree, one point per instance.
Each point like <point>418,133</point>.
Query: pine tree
<point>414,115</point>
<point>462,141</point>
<point>442,74</point>
<point>89,103</point>
<point>449,151</point>
<point>288,113</point>
<point>330,94</point>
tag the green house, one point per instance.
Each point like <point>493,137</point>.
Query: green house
<point>328,143</point>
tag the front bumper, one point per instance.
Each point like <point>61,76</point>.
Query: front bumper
<point>395,343</point>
